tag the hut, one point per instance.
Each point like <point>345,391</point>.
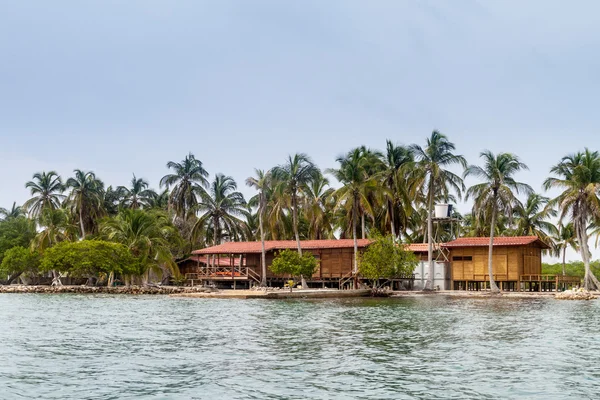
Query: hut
<point>239,262</point>
<point>516,264</point>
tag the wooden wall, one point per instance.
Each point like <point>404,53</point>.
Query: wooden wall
<point>333,263</point>
<point>509,262</point>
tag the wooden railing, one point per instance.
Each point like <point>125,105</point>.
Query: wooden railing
<point>550,278</point>
<point>225,273</point>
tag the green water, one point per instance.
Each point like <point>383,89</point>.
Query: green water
<point>127,347</point>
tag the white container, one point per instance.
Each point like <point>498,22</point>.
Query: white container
<point>441,210</point>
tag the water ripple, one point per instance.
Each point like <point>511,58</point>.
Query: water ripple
<point>126,347</point>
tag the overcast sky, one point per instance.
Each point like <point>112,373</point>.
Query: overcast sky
<point>122,87</point>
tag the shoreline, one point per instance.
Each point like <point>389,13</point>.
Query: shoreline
<point>201,292</point>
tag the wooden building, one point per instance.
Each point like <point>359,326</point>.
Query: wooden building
<point>239,262</point>
<point>516,264</point>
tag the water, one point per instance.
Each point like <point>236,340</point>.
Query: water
<point>127,347</point>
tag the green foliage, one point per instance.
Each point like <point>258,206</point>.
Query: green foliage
<point>149,235</point>
<point>290,262</point>
<point>89,258</point>
<point>385,259</point>
<point>19,260</point>
<point>15,232</point>
<point>572,268</point>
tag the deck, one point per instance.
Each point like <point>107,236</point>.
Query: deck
<point>210,273</point>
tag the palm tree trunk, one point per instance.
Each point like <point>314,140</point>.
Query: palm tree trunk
<point>354,223</point>
<point>263,262</point>
<point>81,222</point>
<point>296,234</point>
<point>362,222</point>
<point>429,282</point>
<point>585,252</point>
<point>295,222</point>
<point>392,225</point>
<point>494,288</point>
<point>564,256</point>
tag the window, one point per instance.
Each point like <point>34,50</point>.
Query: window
<point>462,258</point>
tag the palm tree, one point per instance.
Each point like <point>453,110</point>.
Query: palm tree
<point>86,198</point>
<point>495,194</point>
<point>186,182</point>
<point>148,235</point>
<point>357,186</point>
<point>110,201</point>
<point>55,227</point>
<point>46,189</point>
<point>261,182</point>
<point>317,208</point>
<point>578,175</point>
<point>532,218</point>
<point>221,207</point>
<point>435,181</point>
<point>563,239</point>
<point>159,200</point>
<point>138,195</point>
<point>397,160</point>
<point>293,177</point>
<point>14,212</point>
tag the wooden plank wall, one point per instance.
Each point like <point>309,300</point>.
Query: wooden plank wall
<point>509,262</point>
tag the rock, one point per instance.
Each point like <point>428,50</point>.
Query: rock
<point>575,295</point>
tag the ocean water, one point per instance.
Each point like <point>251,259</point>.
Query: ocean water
<point>154,347</point>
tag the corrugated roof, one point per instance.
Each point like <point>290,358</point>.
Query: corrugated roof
<point>498,241</point>
<point>255,247</point>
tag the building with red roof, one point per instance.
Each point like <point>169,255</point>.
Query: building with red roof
<point>458,264</point>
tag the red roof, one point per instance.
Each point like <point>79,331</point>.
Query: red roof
<point>498,241</point>
<point>270,245</point>
<point>420,247</point>
<point>220,261</point>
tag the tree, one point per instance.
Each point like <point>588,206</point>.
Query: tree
<point>148,235</point>
<point>354,194</point>
<point>384,259</point>
<point>14,212</point>
<point>89,258</point>
<point>532,218</point>
<point>46,189</point>
<point>15,232</point>
<point>434,180</point>
<point>578,176</point>
<point>496,193</point>
<point>317,209</point>
<point>293,177</point>
<point>137,195</point>
<point>54,226</point>
<point>563,239</point>
<point>17,261</point>
<point>186,182</point>
<point>293,263</point>
<point>398,159</point>
<point>86,199</point>
<point>221,207</point>
<point>260,182</point>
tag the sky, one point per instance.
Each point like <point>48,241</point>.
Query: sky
<point>124,87</point>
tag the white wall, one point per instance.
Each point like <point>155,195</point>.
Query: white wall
<point>441,275</point>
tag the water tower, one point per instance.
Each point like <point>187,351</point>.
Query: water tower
<point>442,216</point>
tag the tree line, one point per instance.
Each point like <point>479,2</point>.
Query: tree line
<point>389,192</point>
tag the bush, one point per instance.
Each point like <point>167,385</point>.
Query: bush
<point>291,263</point>
<point>17,261</point>
<point>384,259</point>
<point>89,258</point>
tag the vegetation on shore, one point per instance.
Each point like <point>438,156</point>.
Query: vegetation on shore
<point>391,191</point>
